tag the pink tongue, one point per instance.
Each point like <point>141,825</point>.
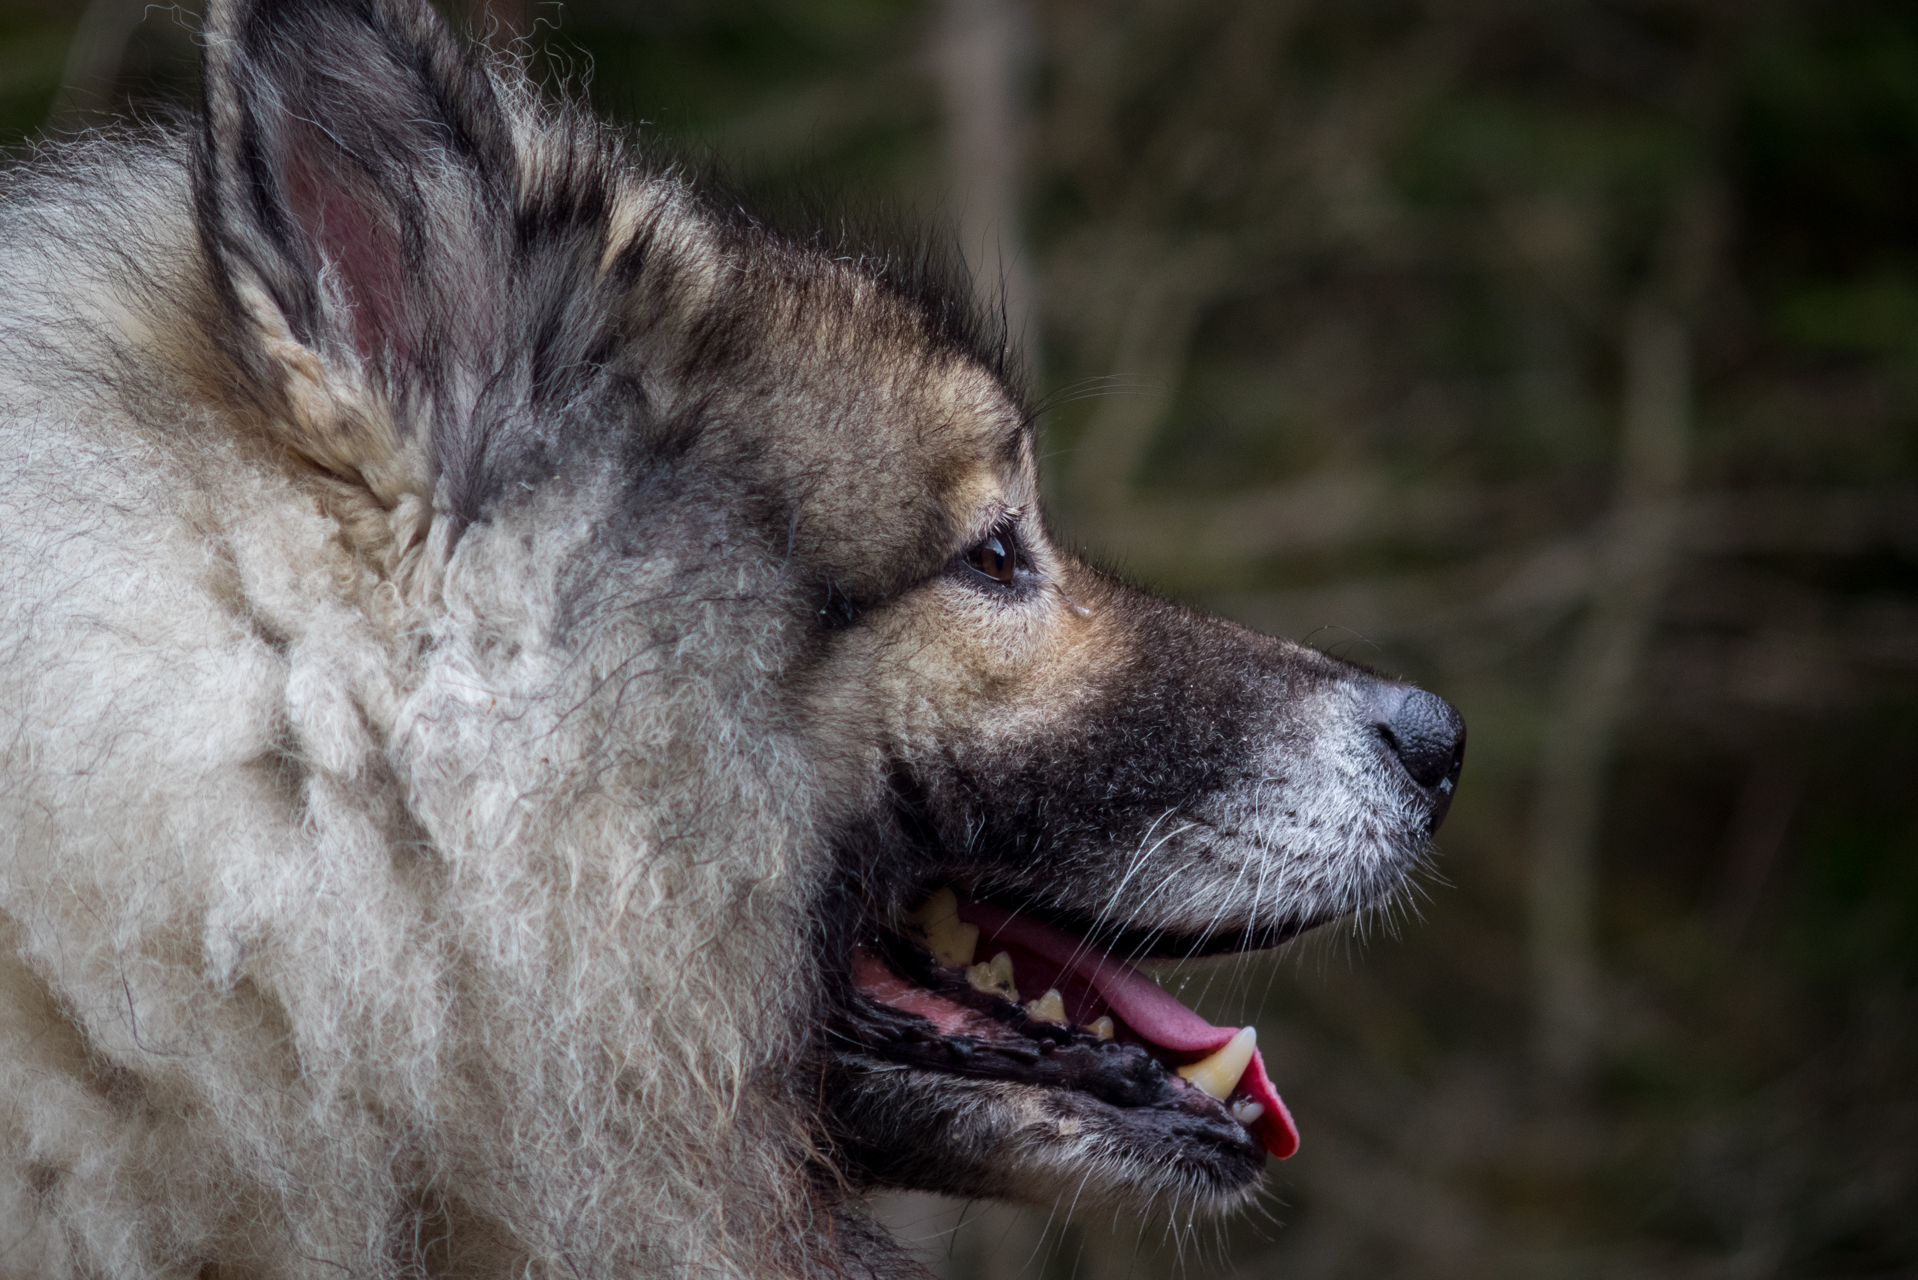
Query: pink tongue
<point>1139,1001</point>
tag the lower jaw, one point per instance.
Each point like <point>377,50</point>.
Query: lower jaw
<point>915,1129</point>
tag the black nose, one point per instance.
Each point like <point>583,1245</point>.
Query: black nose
<point>1428,735</point>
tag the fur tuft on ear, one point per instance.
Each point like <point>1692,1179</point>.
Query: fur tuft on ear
<point>354,186</point>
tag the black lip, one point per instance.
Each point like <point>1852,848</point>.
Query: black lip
<point>1123,1075</point>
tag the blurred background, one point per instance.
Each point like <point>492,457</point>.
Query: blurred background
<point>1560,355</point>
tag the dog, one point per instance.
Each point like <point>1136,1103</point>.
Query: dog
<point>545,733</point>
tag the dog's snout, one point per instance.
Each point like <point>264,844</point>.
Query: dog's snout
<point>1427,734</point>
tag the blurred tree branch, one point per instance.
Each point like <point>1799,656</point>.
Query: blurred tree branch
<point>1604,660</point>
<point>1220,186</point>
<point>1755,838</point>
<point>1153,342</point>
<point>1659,403</point>
<point>1342,509</point>
<point>93,64</point>
<point>982,52</point>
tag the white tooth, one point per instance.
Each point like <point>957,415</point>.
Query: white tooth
<point>951,941</point>
<point>1050,1007</point>
<point>1248,1113</point>
<point>1102,1027</point>
<point>1219,1074</point>
<point>994,977</point>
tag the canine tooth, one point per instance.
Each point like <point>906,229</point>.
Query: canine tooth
<point>1248,1113</point>
<point>1050,1007</point>
<point>994,977</point>
<point>1218,1075</point>
<point>951,941</point>
<point>1102,1027</point>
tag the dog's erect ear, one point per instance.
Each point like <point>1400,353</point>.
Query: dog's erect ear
<point>354,190</point>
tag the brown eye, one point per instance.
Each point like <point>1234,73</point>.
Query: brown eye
<point>997,557</point>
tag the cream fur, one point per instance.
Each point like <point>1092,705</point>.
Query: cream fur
<point>352,924</point>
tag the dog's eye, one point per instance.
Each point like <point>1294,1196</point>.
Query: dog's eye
<point>997,557</point>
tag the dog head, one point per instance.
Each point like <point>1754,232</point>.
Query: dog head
<point>730,580</point>
<point>1085,775</point>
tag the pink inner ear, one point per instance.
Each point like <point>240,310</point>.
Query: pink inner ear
<point>350,231</point>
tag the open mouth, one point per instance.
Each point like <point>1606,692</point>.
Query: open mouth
<point>974,989</point>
